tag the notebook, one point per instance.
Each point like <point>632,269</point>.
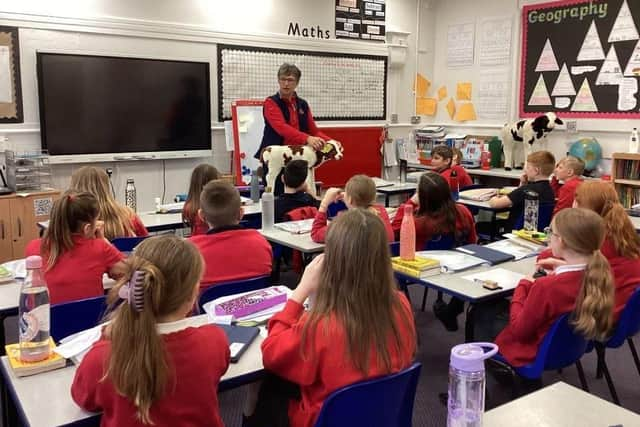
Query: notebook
<point>302,226</point>
<point>494,257</point>
<point>239,339</point>
<point>452,261</point>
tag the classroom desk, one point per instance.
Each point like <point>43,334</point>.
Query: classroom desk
<point>300,242</point>
<point>560,405</point>
<point>636,222</point>
<point>44,400</point>
<point>484,205</point>
<point>397,188</point>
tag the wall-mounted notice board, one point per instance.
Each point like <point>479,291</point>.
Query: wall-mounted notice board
<point>581,58</point>
<point>337,86</point>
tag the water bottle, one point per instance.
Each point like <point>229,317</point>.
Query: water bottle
<point>466,384</point>
<point>634,145</point>
<point>453,182</point>
<point>254,192</point>
<point>531,208</point>
<point>485,160</point>
<point>130,194</point>
<point>33,315</point>
<point>267,211</point>
<point>408,234</point>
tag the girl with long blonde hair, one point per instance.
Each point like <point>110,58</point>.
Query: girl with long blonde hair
<point>119,220</point>
<point>200,176</point>
<point>153,365</point>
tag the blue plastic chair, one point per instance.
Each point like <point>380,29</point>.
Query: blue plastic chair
<point>127,244</point>
<point>561,347</point>
<point>335,207</point>
<point>232,288</point>
<point>545,211</point>
<point>68,318</point>
<point>380,402</point>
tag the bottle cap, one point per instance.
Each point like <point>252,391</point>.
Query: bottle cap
<point>33,262</point>
<point>470,357</point>
<point>408,209</point>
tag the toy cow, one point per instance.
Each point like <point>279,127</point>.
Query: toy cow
<point>526,132</point>
<point>276,157</point>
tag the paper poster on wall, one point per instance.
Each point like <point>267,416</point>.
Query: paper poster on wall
<point>442,93</point>
<point>465,112</point>
<point>494,44</point>
<point>540,95</point>
<point>562,102</point>
<point>5,75</point>
<point>451,108</point>
<point>564,85</point>
<point>591,49</point>
<point>493,90</point>
<point>460,42</point>
<point>463,91</point>
<point>633,66</point>
<point>547,61</point>
<point>426,106</point>
<point>610,72</point>
<point>422,85</point>
<point>624,28</point>
<point>627,94</point>
<point>582,69</point>
<point>584,100</point>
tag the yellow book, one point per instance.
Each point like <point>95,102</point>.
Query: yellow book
<point>23,369</point>
<point>413,272</point>
<point>419,262</point>
<point>532,236</point>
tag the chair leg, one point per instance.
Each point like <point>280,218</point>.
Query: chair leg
<point>600,353</point>
<point>583,379</point>
<point>607,376</point>
<point>424,297</point>
<point>634,353</point>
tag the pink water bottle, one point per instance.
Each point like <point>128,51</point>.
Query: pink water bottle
<point>408,234</point>
<point>485,160</point>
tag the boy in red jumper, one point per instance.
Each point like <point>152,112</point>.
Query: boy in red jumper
<point>230,251</point>
<point>568,170</point>
<point>442,162</point>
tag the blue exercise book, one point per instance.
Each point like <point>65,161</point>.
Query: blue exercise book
<point>491,255</point>
<point>239,338</point>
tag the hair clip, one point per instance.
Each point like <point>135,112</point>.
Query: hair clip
<point>133,291</point>
<point>71,197</point>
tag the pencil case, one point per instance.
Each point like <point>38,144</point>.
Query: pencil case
<point>250,303</point>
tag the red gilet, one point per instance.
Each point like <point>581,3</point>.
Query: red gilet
<point>319,227</point>
<point>464,180</point>
<point>426,226</point>
<point>325,367</point>
<point>565,193</point>
<point>197,358</point>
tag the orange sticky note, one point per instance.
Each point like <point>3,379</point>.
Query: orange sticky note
<point>442,93</point>
<point>466,112</point>
<point>463,91</point>
<point>422,86</point>
<point>426,106</point>
<point>451,108</point>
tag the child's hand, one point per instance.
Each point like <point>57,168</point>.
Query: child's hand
<point>524,179</point>
<point>99,230</point>
<point>310,280</point>
<point>333,194</point>
<point>415,199</point>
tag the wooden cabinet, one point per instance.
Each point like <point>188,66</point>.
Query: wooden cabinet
<point>626,177</point>
<point>19,217</point>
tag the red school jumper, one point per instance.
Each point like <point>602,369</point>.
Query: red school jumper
<point>534,307</point>
<point>77,274</point>
<point>198,226</point>
<point>233,253</point>
<point>319,227</point>
<point>426,226</point>
<point>138,227</point>
<point>197,358</point>
<point>325,367</point>
<point>464,180</point>
<point>565,193</point>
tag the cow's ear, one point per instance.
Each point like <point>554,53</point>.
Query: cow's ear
<point>558,121</point>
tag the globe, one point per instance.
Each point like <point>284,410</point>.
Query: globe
<point>588,150</point>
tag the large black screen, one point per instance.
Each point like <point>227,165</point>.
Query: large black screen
<point>100,104</point>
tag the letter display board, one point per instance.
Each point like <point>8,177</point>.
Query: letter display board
<point>581,59</point>
<point>336,86</point>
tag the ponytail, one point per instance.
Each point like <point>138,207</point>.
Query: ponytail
<point>593,314</point>
<point>620,230</point>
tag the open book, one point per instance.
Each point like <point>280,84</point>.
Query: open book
<point>296,227</point>
<point>452,261</point>
<point>517,247</point>
<point>478,194</point>
<point>381,182</point>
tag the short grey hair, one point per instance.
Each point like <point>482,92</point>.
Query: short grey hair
<point>287,69</point>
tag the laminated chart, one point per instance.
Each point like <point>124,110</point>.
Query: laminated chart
<point>581,58</point>
<point>336,86</point>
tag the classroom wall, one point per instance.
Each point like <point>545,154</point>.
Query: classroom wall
<point>186,29</point>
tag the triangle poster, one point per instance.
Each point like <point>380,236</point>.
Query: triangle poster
<point>547,60</point>
<point>591,49</point>
<point>564,85</point>
<point>611,72</point>
<point>584,100</point>
<point>540,95</point>
<point>633,66</point>
<point>624,28</point>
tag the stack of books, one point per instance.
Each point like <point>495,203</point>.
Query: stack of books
<point>23,369</point>
<point>420,267</point>
<point>531,236</point>
<point>479,194</point>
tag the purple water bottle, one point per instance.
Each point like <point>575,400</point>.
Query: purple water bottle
<point>467,383</point>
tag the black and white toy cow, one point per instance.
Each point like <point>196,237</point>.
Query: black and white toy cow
<point>524,133</point>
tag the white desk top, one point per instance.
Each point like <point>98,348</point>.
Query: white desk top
<point>300,242</point>
<point>560,405</point>
<point>636,222</point>
<point>499,172</point>
<point>398,187</point>
<point>46,399</point>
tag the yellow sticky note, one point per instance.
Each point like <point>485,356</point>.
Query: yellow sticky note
<point>442,93</point>
<point>466,112</point>
<point>422,85</point>
<point>426,106</point>
<point>451,108</point>
<point>463,91</point>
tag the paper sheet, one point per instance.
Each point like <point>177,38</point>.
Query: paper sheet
<point>465,112</point>
<point>623,28</point>
<point>591,49</point>
<point>627,94</point>
<point>562,102</point>
<point>547,60</point>
<point>494,46</point>
<point>493,90</point>
<point>584,100</point>
<point>463,91</point>
<point>610,72</point>
<point>422,86</point>
<point>228,135</point>
<point>564,85</point>
<point>426,106</point>
<point>633,66</point>
<point>506,279</point>
<point>5,75</point>
<point>389,153</point>
<point>442,93</point>
<point>460,42</point>
<point>582,69</point>
<point>540,95</point>
<point>451,108</point>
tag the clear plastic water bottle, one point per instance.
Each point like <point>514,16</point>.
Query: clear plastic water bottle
<point>531,208</point>
<point>455,186</point>
<point>408,234</point>
<point>33,314</point>
<point>466,384</point>
<point>254,187</point>
<point>267,211</point>
<point>130,198</point>
<point>634,144</point>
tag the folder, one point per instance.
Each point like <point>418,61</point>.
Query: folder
<point>491,255</point>
<point>240,337</point>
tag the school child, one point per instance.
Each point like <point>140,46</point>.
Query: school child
<point>201,174</point>
<point>74,251</point>
<point>295,190</point>
<point>360,192</point>
<point>621,245</point>
<point>568,170</point>
<point>442,162</point>
<point>119,220</point>
<point>230,251</point>
<point>359,325</point>
<point>583,286</point>
<point>539,166</point>
<point>152,365</point>
<point>457,157</point>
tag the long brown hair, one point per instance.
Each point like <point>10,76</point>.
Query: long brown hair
<point>601,197</point>
<point>583,231</point>
<point>358,288</point>
<point>117,218</point>
<point>201,175</point>
<point>435,200</point>
<point>138,368</point>
<point>69,214</point>
<point>362,191</point>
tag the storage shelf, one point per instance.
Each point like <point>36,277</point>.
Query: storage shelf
<point>633,182</point>
<point>625,156</point>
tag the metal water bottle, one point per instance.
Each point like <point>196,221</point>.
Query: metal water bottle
<point>267,211</point>
<point>408,234</point>
<point>531,208</point>
<point>634,144</point>
<point>466,384</point>
<point>34,313</point>
<point>455,186</point>
<point>254,187</point>
<point>130,198</point>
